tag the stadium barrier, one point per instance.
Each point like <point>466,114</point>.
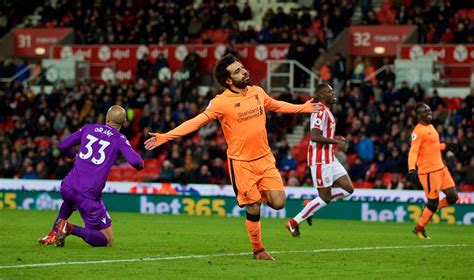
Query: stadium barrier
<point>372,211</point>
<point>214,190</point>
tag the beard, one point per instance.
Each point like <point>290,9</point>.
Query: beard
<point>240,84</point>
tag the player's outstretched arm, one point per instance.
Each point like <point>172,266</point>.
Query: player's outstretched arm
<point>285,107</point>
<point>130,155</point>
<point>66,146</point>
<point>183,129</point>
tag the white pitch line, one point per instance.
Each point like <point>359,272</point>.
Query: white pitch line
<point>235,254</point>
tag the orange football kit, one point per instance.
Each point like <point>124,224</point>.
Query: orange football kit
<point>425,153</point>
<point>242,118</point>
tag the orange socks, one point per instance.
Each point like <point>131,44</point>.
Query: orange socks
<point>253,229</point>
<point>425,217</point>
<point>428,214</point>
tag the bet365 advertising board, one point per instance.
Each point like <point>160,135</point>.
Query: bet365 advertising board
<point>374,211</point>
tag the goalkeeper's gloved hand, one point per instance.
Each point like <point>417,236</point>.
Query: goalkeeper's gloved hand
<point>412,176</point>
<point>452,147</point>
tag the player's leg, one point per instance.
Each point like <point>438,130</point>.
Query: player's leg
<point>450,199</point>
<point>97,231</point>
<point>342,181</point>
<point>323,180</point>
<point>270,183</point>
<point>275,199</point>
<point>449,189</point>
<point>109,235</point>
<point>431,183</point>
<point>65,211</point>
<point>244,183</point>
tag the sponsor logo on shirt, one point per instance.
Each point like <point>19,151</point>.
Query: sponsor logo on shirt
<point>250,114</point>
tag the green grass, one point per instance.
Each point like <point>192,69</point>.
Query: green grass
<point>146,236</point>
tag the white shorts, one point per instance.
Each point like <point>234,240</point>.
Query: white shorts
<point>324,175</point>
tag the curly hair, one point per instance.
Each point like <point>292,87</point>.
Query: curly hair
<point>220,70</point>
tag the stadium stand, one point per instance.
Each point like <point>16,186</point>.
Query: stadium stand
<point>374,115</point>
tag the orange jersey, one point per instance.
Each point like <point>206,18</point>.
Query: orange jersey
<point>425,150</point>
<point>242,117</point>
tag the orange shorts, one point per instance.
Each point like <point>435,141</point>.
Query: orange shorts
<point>436,181</point>
<point>251,178</point>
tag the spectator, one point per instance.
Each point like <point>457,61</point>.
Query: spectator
<point>358,170</point>
<point>325,72</point>
<point>405,93</point>
<point>144,68</point>
<point>365,147</point>
<point>435,101</point>
<point>339,73</point>
<point>246,12</point>
<point>288,162</point>
<point>201,175</point>
<point>7,171</point>
<point>395,163</point>
<point>166,172</point>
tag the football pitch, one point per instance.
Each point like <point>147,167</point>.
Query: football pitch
<point>185,247</point>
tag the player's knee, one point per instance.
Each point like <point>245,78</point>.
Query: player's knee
<point>326,198</point>
<point>432,205</point>
<point>252,217</point>
<point>349,189</point>
<point>452,199</point>
<point>277,205</point>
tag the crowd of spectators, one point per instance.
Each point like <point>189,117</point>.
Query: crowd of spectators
<point>377,118</point>
<point>374,116</point>
<point>33,124</point>
<point>437,21</point>
<point>168,22</point>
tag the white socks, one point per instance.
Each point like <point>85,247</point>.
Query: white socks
<point>338,194</point>
<point>309,210</point>
<point>314,205</point>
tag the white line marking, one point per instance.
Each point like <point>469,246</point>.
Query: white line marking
<point>235,254</point>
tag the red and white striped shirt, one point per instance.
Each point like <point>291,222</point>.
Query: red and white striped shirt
<point>322,153</point>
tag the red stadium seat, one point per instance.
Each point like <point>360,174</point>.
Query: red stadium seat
<point>466,188</point>
<point>301,170</point>
<point>387,178</point>
<point>366,185</point>
<point>115,174</point>
<point>300,153</point>
<point>351,158</point>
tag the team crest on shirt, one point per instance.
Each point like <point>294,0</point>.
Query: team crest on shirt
<point>317,122</point>
<point>413,137</point>
<point>258,100</point>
